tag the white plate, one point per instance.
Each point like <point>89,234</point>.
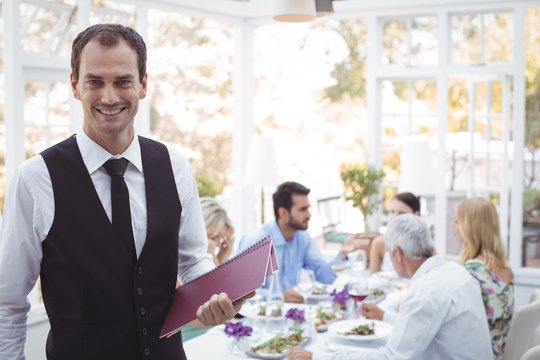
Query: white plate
<point>265,356</point>
<point>338,328</point>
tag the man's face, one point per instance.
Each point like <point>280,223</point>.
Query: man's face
<point>299,215</point>
<point>109,89</point>
<point>397,261</point>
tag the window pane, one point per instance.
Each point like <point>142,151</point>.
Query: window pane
<point>395,42</point>
<point>466,40</point>
<point>35,103</point>
<point>47,27</point>
<point>424,97</point>
<point>112,12</point>
<point>424,41</point>
<point>498,37</point>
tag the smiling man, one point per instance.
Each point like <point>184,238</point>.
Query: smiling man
<point>108,219</point>
<point>295,249</point>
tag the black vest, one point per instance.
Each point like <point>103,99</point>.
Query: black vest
<point>101,302</point>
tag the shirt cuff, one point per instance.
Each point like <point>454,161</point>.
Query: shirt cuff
<point>321,356</point>
<point>390,317</point>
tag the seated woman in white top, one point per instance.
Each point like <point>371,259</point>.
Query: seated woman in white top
<point>402,203</point>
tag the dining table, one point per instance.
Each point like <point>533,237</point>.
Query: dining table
<point>214,343</point>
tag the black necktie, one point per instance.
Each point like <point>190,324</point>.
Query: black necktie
<point>121,214</point>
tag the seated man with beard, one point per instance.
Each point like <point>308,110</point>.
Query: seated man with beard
<point>295,249</point>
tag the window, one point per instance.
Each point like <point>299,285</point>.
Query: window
<point>410,41</point>
<point>190,89</point>
<point>46,111</point>
<point>482,38</point>
<point>310,97</point>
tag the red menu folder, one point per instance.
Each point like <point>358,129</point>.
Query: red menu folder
<point>237,277</point>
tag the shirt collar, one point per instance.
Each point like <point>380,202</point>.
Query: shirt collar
<point>430,263</point>
<point>94,156</point>
<point>277,236</point>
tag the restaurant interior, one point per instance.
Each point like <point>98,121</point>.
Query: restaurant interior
<point>440,98</point>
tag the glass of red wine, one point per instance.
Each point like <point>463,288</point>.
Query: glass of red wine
<point>358,289</point>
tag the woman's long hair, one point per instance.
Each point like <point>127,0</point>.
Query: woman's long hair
<point>479,228</point>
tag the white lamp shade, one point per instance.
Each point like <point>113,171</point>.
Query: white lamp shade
<point>324,7</point>
<point>294,10</point>
<point>417,169</point>
<point>262,168</point>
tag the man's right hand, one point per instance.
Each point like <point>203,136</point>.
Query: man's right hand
<point>372,311</point>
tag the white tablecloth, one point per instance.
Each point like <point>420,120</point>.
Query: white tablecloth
<point>213,345</point>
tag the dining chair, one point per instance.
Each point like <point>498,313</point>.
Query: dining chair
<point>331,209</point>
<point>535,296</point>
<point>521,335</point>
<point>531,354</point>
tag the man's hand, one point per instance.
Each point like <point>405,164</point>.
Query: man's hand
<point>298,353</point>
<point>372,311</point>
<point>220,309</point>
<point>293,296</point>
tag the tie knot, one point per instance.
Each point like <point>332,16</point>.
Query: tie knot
<point>116,167</point>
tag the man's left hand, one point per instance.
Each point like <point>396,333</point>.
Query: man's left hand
<point>220,309</point>
<point>298,353</point>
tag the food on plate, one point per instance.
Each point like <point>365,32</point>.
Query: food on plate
<point>363,330</point>
<point>320,290</point>
<point>375,295</point>
<point>324,318</point>
<point>280,344</point>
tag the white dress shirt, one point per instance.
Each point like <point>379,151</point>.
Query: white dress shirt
<point>29,213</point>
<point>442,316</point>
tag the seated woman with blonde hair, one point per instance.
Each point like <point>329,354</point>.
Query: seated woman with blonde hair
<point>476,226</point>
<point>220,233</point>
<point>219,230</point>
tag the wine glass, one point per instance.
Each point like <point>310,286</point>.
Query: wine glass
<point>305,283</point>
<point>358,288</point>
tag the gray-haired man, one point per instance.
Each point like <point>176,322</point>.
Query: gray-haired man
<point>440,317</point>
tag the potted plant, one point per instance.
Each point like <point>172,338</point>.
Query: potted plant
<point>362,184</point>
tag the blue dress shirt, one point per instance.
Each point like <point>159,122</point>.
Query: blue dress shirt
<point>299,252</point>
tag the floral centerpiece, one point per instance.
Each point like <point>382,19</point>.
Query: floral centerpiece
<point>340,298</point>
<point>236,332</point>
<point>296,316</point>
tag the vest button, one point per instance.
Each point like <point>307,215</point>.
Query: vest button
<point>142,311</point>
<point>146,351</point>
<point>139,291</point>
<point>139,270</point>
<point>144,331</point>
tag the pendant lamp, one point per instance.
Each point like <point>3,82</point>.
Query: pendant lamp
<point>294,10</point>
<point>324,7</point>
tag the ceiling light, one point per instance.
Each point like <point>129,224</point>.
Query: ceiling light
<point>294,10</point>
<point>324,7</point>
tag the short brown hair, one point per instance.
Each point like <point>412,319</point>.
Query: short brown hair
<point>283,196</point>
<point>108,35</point>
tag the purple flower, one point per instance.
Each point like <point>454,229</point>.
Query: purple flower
<point>237,330</point>
<point>340,297</point>
<point>296,315</point>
